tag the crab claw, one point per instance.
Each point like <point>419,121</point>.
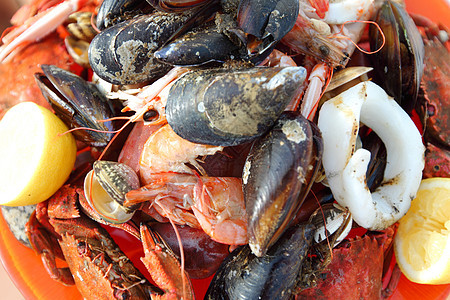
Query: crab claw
<point>164,267</point>
<point>37,27</point>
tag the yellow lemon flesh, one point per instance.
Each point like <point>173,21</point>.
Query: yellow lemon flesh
<point>35,160</point>
<point>422,243</point>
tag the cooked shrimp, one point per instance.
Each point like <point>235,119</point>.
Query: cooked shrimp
<point>165,151</point>
<point>215,203</point>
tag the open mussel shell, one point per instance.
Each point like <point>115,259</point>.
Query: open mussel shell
<point>277,176</point>
<point>242,275</point>
<point>400,62</point>
<point>77,103</point>
<point>105,188</point>
<point>225,107</point>
<point>332,222</point>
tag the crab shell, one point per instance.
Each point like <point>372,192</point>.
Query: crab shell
<point>356,269</point>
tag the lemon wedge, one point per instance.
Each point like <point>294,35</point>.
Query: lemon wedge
<point>422,243</point>
<point>35,160</point>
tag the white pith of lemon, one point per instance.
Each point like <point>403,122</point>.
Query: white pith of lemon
<point>35,159</point>
<point>422,243</point>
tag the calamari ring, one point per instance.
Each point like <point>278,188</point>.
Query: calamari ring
<point>346,168</point>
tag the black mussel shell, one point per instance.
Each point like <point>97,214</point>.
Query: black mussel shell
<point>226,108</point>
<point>267,17</point>
<point>400,62</point>
<point>377,164</point>
<point>179,5</point>
<point>77,103</point>
<point>278,174</point>
<point>124,53</point>
<point>112,12</point>
<point>243,275</point>
<point>198,48</point>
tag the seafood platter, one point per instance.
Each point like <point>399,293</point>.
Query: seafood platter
<point>223,149</point>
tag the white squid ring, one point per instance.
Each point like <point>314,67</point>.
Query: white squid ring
<point>345,168</point>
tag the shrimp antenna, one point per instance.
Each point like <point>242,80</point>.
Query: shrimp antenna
<point>94,26</point>
<point>324,224</point>
<point>337,36</point>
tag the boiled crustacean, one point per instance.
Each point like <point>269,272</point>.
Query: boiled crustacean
<point>100,269</point>
<point>434,97</point>
<point>356,270</point>
<point>214,204</point>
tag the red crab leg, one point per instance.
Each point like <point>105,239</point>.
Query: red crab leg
<point>47,247</point>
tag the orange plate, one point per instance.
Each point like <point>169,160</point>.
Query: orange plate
<point>30,277</point>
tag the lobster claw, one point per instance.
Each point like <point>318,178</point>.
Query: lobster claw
<point>158,256</point>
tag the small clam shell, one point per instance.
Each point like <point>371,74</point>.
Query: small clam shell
<point>105,188</point>
<point>78,49</point>
<point>117,179</point>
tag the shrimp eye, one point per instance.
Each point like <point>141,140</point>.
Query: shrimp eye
<point>324,50</point>
<point>150,115</point>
